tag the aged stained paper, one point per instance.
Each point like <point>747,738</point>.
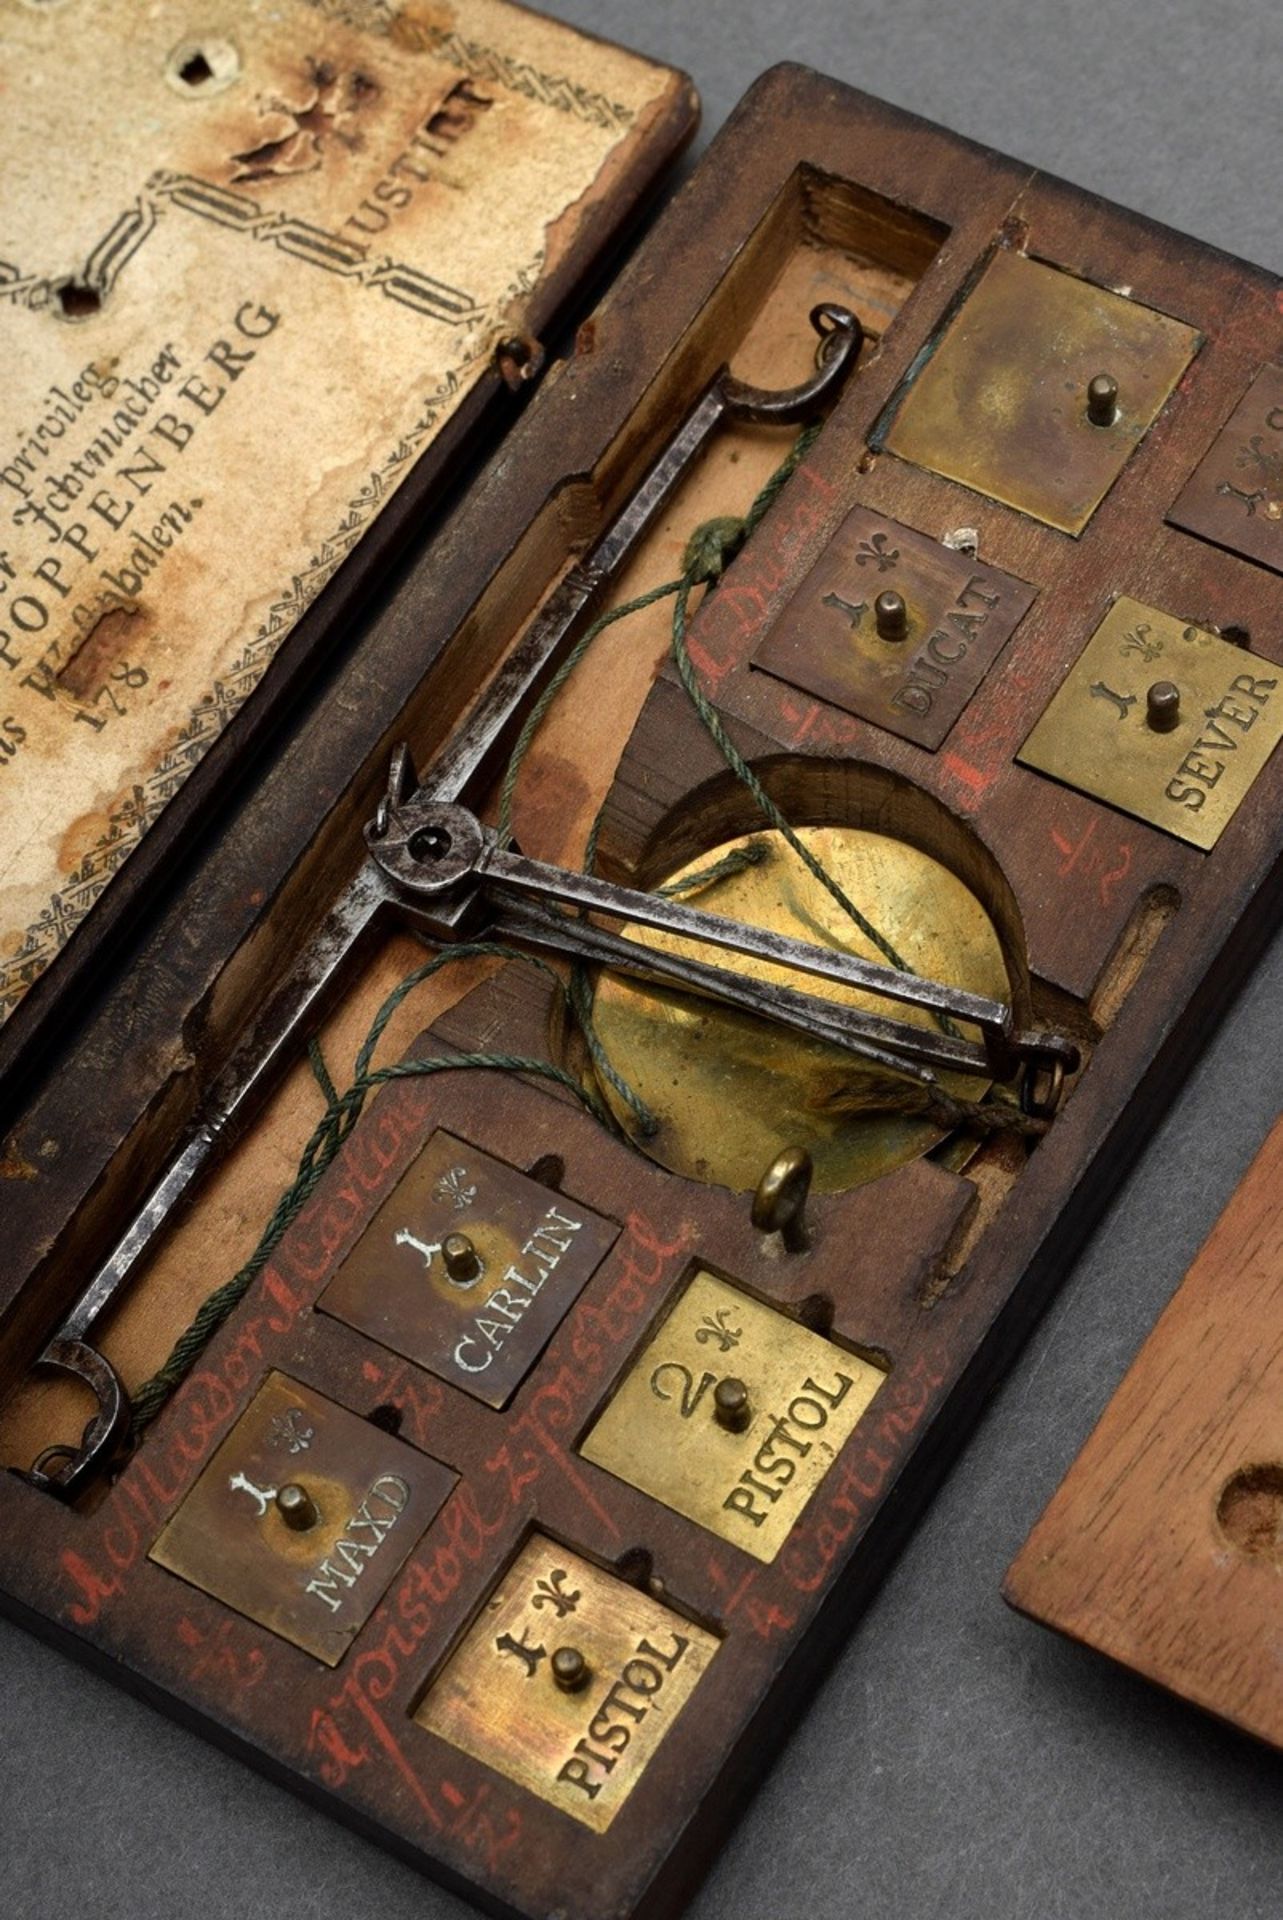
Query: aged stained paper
<point>252,257</point>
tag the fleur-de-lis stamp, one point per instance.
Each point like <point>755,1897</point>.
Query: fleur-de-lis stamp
<point>290,1432</point>
<point>454,1189</point>
<point>552,1593</point>
<point>1139,641</point>
<point>1266,462</point>
<point>716,1327</point>
<point>878,550</point>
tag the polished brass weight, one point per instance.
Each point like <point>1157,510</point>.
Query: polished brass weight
<point>1040,389</point>
<point>468,1267</point>
<point>894,627</point>
<point>1163,720</point>
<point>302,1517</point>
<point>567,1681</point>
<point>732,1414</point>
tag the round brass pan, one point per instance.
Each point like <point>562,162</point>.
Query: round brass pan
<point>729,1091</point>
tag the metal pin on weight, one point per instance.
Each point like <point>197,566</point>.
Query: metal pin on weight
<point>297,1508</point>
<point>570,1670</point>
<point>891,616</point>
<point>1163,705</point>
<point>462,1261</point>
<point>1102,400</point>
<point>731,1406</point>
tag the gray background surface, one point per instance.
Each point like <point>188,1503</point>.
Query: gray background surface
<point>959,1761</point>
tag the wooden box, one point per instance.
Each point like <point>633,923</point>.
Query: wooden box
<point>1125,915</point>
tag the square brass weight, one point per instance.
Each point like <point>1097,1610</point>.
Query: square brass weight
<point>303,1516</point>
<point>568,1681</point>
<point>1234,497</point>
<point>468,1268</point>
<point>1163,720</point>
<point>1002,403</point>
<point>894,627</point>
<point>732,1415</point>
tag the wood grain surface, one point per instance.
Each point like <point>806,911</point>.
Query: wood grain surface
<point>1163,1546</point>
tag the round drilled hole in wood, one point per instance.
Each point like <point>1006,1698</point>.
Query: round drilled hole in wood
<point>636,1566</point>
<point>816,1312</point>
<point>1250,1512</point>
<point>549,1170</point>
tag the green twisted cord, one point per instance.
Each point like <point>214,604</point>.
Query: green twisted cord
<point>708,552</point>
<point>342,1111</point>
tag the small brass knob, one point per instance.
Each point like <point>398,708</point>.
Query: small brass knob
<point>462,1261</point>
<point>891,615</point>
<point>1163,705</point>
<point>1102,400</point>
<point>779,1204</point>
<point>731,1408</point>
<point>296,1507</point>
<point>570,1670</point>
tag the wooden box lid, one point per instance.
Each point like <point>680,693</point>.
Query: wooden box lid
<point>255,310</point>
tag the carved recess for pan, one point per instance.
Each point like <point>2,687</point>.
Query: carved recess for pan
<point>894,627</point>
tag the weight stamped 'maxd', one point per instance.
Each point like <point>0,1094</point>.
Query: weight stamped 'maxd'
<point>302,1517</point>
<point>534,1225</point>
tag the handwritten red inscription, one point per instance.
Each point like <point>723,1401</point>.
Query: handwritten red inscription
<point>853,1487</point>
<point>732,618</point>
<point>152,1485</point>
<point>1090,861</point>
<point>377,1149</point>
<point>216,1655</point>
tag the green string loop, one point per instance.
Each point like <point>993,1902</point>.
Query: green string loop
<point>708,553</point>
<point>342,1111</point>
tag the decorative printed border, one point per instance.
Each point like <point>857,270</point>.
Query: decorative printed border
<point>315,246</point>
<point>483,63</point>
<point>146,802</point>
